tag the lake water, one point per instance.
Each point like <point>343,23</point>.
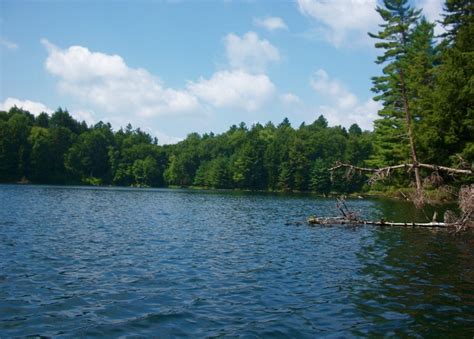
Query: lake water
<point>78,261</point>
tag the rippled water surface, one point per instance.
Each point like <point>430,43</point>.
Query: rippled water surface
<point>119,262</point>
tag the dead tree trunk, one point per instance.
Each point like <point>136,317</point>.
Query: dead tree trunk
<point>343,221</point>
<point>385,171</point>
<point>408,118</point>
<point>465,198</point>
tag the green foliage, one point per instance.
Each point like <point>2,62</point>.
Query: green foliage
<point>435,81</point>
<point>146,172</point>
<point>285,177</point>
<point>451,122</point>
<point>62,118</point>
<point>8,158</point>
<point>42,120</point>
<point>256,158</point>
<point>320,177</point>
<point>88,157</point>
<point>40,155</point>
<point>15,149</point>
<point>391,88</point>
<point>214,174</point>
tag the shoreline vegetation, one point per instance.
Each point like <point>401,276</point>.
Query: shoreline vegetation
<point>59,150</point>
<point>426,117</point>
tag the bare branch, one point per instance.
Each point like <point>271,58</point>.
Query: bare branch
<point>449,170</point>
<point>451,220</point>
<point>386,170</point>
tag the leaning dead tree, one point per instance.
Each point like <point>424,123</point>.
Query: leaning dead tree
<point>465,197</point>
<point>385,171</point>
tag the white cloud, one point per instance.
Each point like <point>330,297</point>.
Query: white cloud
<point>342,21</point>
<point>343,107</point>
<point>270,23</point>
<point>33,107</point>
<point>36,108</point>
<point>107,82</point>
<point>235,88</point>
<point>432,10</point>
<point>8,44</point>
<point>165,139</point>
<point>249,52</point>
<point>322,84</point>
<point>84,115</point>
<point>244,85</point>
<point>290,98</point>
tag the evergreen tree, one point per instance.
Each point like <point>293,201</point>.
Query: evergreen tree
<point>88,159</point>
<point>42,120</point>
<point>285,177</point>
<point>422,58</point>
<point>392,88</point>
<point>8,159</point>
<point>453,117</point>
<point>320,178</point>
<point>40,156</point>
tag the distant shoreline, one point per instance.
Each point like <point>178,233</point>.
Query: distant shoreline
<point>400,194</point>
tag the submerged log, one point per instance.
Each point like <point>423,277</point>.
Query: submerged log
<point>313,220</point>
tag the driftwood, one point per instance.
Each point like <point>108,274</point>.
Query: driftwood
<point>465,197</point>
<point>313,220</point>
<point>348,217</point>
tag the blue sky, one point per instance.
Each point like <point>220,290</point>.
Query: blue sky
<point>176,67</point>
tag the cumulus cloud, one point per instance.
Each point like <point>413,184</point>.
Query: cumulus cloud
<point>249,52</point>
<point>432,10</point>
<point>33,107</point>
<point>235,88</point>
<point>322,84</point>
<point>107,82</point>
<point>8,44</point>
<point>271,23</point>
<point>84,115</point>
<point>290,98</point>
<point>244,85</point>
<point>165,139</point>
<point>342,21</point>
<point>343,107</point>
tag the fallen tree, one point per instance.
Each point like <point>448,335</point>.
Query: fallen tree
<point>351,218</point>
<point>451,220</point>
<point>313,220</point>
<point>398,90</point>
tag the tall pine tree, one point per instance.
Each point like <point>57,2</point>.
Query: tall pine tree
<point>392,88</point>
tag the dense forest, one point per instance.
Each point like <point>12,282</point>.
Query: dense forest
<point>429,77</point>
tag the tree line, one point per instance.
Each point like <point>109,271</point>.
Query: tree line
<point>426,89</point>
<point>58,149</point>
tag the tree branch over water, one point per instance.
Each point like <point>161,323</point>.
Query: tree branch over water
<point>408,166</point>
<point>465,198</point>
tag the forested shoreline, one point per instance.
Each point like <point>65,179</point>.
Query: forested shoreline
<point>61,150</point>
<point>437,83</point>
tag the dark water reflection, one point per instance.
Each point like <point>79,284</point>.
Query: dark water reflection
<point>118,262</point>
